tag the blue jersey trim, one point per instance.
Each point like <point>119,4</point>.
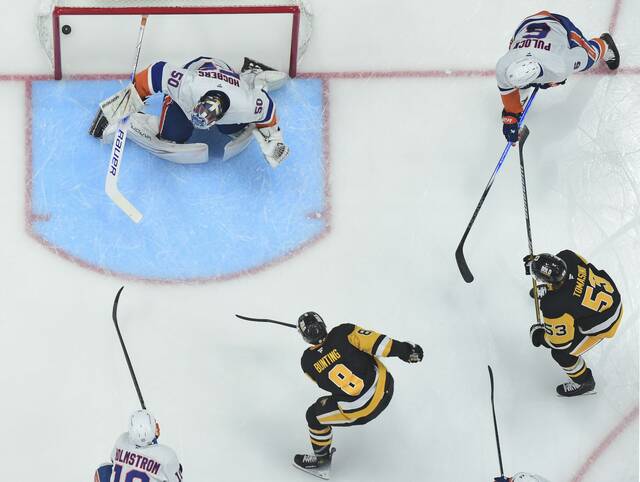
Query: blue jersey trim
<point>269,110</point>
<point>202,57</point>
<point>156,76</point>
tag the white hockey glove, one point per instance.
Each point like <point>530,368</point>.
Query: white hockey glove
<point>272,145</point>
<point>122,104</point>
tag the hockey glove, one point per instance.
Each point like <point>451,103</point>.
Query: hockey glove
<point>502,478</point>
<point>410,353</point>
<point>542,290</point>
<point>272,145</point>
<point>122,104</point>
<point>536,332</point>
<point>510,125</point>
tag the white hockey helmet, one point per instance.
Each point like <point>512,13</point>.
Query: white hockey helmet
<point>524,477</point>
<point>523,71</point>
<point>143,428</point>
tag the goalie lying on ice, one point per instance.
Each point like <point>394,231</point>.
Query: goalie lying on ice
<point>206,92</point>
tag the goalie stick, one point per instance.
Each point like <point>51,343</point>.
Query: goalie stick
<point>114,316</point>
<point>524,133</point>
<point>462,263</point>
<point>265,320</point>
<point>117,149</point>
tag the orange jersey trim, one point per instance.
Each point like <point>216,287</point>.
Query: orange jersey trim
<point>271,123</point>
<point>142,84</point>
<point>511,102</point>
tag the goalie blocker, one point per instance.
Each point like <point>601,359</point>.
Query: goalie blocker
<point>206,92</point>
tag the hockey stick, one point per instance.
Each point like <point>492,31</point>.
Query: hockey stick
<point>462,263</point>
<point>114,315</point>
<point>524,133</point>
<point>117,149</point>
<point>265,320</point>
<point>495,423</point>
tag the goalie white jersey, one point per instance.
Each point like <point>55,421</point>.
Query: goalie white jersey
<point>186,85</point>
<point>155,462</point>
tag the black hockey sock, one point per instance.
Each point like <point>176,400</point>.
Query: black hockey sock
<point>321,441</point>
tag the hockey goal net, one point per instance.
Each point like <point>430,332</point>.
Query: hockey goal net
<point>98,36</point>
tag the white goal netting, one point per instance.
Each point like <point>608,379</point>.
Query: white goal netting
<point>175,27</point>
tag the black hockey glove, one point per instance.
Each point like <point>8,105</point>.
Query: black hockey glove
<point>536,332</point>
<point>510,125</point>
<point>502,478</point>
<point>409,353</point>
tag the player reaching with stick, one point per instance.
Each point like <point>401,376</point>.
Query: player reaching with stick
<point>206,92</point>
<point>581,307</point>
<point>345,363</point>
<point>545,49</point>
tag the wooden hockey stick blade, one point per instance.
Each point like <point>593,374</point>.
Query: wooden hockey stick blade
<point>462,264</point>
<point>266,320</point>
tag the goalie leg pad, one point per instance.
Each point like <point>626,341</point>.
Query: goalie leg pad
<point>122,104</point>
<point>143,130</point>
<point>240,141</point>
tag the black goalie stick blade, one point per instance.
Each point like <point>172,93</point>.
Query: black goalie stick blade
<point>462,264</point>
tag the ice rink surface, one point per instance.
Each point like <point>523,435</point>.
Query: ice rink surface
<point>411,134</point>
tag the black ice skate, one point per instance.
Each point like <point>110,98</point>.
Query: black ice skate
<point>254,66</point>
<point>314,465</point>
<point>573,389</point>
<point>612,56</point>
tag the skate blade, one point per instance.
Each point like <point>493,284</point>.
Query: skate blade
<point>593,392</point>
<point>320,473</point>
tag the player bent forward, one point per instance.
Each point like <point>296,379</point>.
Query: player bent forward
<point>545,49</point>
<point>345,362</point>
<point>581,307</point>
<point>206,92</point>
<point>138,456</point>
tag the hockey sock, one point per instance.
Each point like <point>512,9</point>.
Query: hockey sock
<point>600,47</point>
<point>321,440</point>
<point>577,371</point>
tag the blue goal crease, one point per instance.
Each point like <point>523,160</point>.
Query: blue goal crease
<point>200,221</point>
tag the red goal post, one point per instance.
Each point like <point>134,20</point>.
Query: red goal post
<point>50,25</point>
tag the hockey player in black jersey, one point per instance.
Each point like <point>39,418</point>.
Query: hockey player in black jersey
<point>581,307</point>
<point>345,363</point>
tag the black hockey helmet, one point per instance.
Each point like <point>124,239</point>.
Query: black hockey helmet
<point>209,109</point>
<point>312,327</point>
<point>548,268</point>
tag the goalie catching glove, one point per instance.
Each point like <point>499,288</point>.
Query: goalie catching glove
<point>272,145</point>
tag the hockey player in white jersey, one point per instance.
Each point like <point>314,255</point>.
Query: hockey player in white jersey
<point>545,49</point>
<point>138,457</point>
<point>206,92</point>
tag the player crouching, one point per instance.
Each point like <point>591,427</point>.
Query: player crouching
<point>581,307</point>
<point>206,92</point>
<point>138,456</point>
<point>345,363</point>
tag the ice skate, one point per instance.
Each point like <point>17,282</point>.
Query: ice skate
<point>318,466</point>
<point>612,55</point>
<point>573,389</point>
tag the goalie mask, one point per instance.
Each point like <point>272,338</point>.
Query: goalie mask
<point>312,327</point>
<point>209,109</point>
<point>549,269</point>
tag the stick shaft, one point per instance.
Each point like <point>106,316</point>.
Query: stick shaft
<point>495,423</point>
<point>461,261</point>
<point>266,320</point>
<point>114,316</point>
<point>536,299</point>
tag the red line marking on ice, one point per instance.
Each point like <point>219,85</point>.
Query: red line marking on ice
<point>605,444</point>
<point>613,23</point>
